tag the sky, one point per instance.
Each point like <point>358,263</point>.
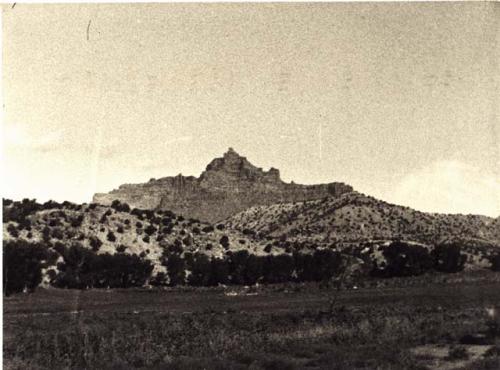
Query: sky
<point>399,100</point>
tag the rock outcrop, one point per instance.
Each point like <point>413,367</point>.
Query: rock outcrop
<point>228,185</point>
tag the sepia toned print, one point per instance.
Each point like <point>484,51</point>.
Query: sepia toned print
<point>251,186</point>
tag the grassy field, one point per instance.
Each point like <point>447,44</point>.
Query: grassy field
<point>418,326</point>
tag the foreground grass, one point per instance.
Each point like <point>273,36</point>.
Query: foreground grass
<point>369,329</point>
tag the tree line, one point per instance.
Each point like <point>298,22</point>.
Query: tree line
<point>243,268</point>
<point>77,267</point>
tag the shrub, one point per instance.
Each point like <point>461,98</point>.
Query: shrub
<point>187,241</point>
<point>150,230</point>
<point>219,272</point>
<point>46,234</point>
<point>220,227</point>
<point>95,243</point>
<point>136,212</point>
<point>175,269</point>
<point>248,232</point>
<point>160,279</point>
<point>77,222</point>
<point>57,233</point>
<point>237,266</point>
<point>120,229</point>
<point>304,265</point>
<point>448,258</point>
<point>149,214</point>
<point>12,229</point>
<point>404,260</point>
<point>254,269</point>
<point>278,269</point>
<point>59,248</point>
<point>111,236</point>
<point>495,262</point>
<point>167,230</point>
<point>121,248</point>
<point>22,264</point>
<point>25,224</point>
<point>200,268</point>
<point>103,218</point>
<point>208,229</point>
<point>326,263</point>
<point>120,207</point>
<point>224,241</point>
<point>176,247</point>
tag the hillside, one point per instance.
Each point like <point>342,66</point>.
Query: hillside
<point>354,222</point>
<point>229,184</point>
<point>93,245</point>
<point>354,217</point>
<point>118,230</point>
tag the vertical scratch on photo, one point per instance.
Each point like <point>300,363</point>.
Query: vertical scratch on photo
<point>88,29</point>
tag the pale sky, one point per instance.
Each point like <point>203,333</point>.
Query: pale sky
<point>399,100</point>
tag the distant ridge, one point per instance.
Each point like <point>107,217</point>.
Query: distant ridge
<point>229,184</point>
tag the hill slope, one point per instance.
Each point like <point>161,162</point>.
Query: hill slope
<point>97,246</point>
<point>115,230</point>
<point>354,217</point>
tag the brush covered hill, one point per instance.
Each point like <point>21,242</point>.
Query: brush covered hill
<point>91,245</point>
<point>117,229</point>
<point>356,217</point>
<point>360,220</point>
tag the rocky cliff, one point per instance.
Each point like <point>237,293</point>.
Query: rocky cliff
<point>228,185</point>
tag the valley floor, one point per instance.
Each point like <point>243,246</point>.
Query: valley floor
<point>418,326</point>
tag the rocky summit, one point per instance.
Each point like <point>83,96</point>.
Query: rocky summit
<point>228,185</point>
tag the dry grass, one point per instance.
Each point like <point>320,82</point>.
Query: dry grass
<point>369,329</point>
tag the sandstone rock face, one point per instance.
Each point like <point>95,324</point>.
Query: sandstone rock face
<point>228,185</point>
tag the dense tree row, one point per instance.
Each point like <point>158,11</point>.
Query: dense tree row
<point>244,268</point>
<point>80,267</point>
<point>22,265</point>
<point>403,259</point>
<point>83,269</point>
